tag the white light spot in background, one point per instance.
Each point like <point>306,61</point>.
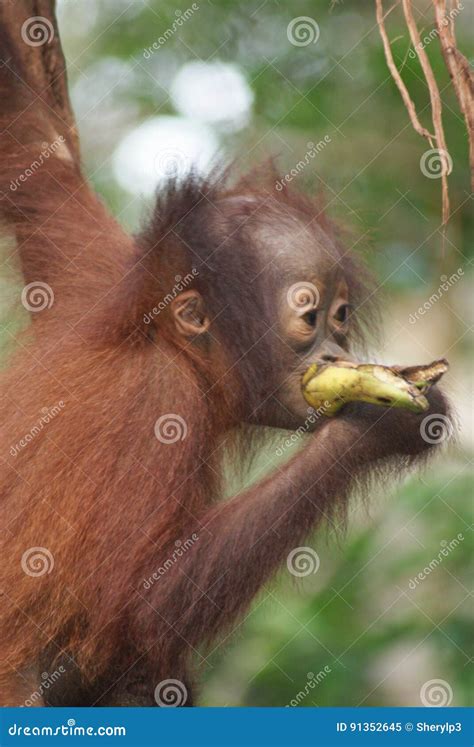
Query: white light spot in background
<point>213,92</point>
<point>161,148</point>
<point>77,19</point>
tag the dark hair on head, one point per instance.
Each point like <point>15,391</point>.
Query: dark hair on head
<point>204,222</point>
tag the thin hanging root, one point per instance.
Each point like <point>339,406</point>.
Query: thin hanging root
<point>436,106</point>
<point>407,100</point>
<point>329,387</point>
<point>459,70</point>
<point>435,98</point>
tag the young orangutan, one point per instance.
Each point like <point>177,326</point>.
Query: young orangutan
<point>147,382</point>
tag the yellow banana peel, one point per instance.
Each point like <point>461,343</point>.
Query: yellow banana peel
<point>327,387</point>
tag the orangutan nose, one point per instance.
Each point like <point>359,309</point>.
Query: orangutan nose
<point>334,354</point>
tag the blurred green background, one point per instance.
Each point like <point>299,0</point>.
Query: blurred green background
<point>242,80</point>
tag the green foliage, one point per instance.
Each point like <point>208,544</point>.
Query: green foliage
<point>381,637</point>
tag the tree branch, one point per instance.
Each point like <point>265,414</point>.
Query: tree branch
<point>435,98</point>
<point>459,71</point>
<point>407,100</point>
<point>436,106</point>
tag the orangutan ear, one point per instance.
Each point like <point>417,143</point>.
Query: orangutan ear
<point>189,314</point>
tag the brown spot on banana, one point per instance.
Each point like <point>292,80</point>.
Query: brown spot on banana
<point>331,386</point>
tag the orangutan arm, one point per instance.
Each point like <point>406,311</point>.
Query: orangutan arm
<point>242,541</point>
<point>45,202</point>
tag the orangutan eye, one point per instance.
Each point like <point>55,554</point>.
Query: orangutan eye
<point>311,317</point>
<point>342,314</point>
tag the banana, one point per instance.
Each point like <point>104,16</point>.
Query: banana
<point>423,376</point>
<point>329,387</point>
